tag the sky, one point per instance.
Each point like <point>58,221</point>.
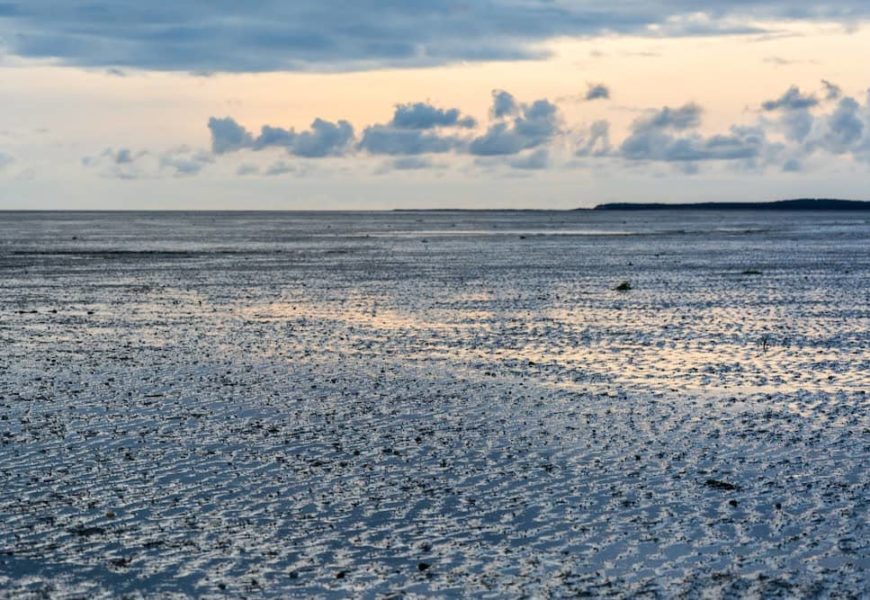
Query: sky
<point>364,104</point>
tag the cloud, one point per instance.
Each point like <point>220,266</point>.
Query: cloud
<point>123,163</point>
<point>503,104</point>
<point>842,132</point>
<point>535,160</point>
<point>796,120</point>
<point>227,135</point>
<point>832,90</point>
<point>844,128</point>
<point>274,35</point>
<point>532,135</point>
<point>797,124</point>
<point>183,161</point>
<point>687,116</point>
<point>123,156</point>
<point>597,91</point>
<point>421,115</point>
<point>385,139</point>
<point>792,99</point>
<point>410,131</point>
<point>594,140</point>
<point>415,129</point>
<point>324,138</point>
<point>519,126</point>
<point>665,135</point>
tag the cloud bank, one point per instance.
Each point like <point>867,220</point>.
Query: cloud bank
<point>324,138</point>
<point>275,35</point>
<point>532,136</point>
<point>790,133</point>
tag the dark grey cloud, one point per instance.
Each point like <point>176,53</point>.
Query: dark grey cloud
<point>692,148</point>
<point>687,116</point>
<point>503,104</point>
<point>385,139</point>
<point>271,35</point>
<point>519,126</point>
<point>410,132</point>
<point>415,129</point>
<point>324,138</point>
<point>797,124</point>
<point>269,137</point>
<point>420,115</point>
<point>796,118</point>
<point>666,135</point>
<point>844,128</point>
<point>500,139</point>
<point>792,99</point>
<point>809,128</point>
<point>597,91</point>
<point>228,136</point>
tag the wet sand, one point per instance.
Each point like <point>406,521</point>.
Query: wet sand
<point>411,404</point>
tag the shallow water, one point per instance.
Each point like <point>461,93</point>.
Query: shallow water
<point>299,404</point>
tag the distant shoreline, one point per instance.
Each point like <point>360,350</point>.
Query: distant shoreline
<point>799,204</point>
<point>802,204</point>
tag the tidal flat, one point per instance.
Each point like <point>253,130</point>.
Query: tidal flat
<point>452,404</point>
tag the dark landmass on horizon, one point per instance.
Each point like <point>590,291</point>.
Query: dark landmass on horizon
<point>799,204</point>
<point>824,204</point>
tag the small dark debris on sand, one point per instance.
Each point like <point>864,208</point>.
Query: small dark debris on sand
<point>722,485</point>
<point>86,531</point>
<point>121,563</point>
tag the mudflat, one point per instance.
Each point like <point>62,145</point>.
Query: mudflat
<point>333,404</point>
